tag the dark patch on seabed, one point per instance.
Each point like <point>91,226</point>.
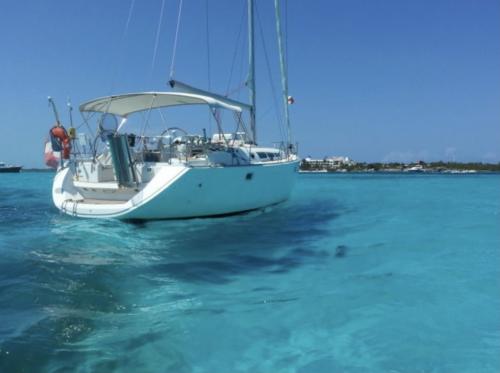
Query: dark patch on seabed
<point>275,242</point>
<point>340,251</point>
<point>39,344</point>
<point>69,297</point>
<point>224,270</point>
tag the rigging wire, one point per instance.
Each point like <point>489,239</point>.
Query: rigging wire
<point>164,122</point>
<point>132,4</point>
<point>144,127</point>
<point>122,45</point>
<point>207,33</point>
<point>172,64</point>
<point>283,69</point>
<point>242,73</point>
<point>271,82</point>
<point>157,39</point>
<point>286,35</point>
<point>209,80</point>
<point>235,53</point>
<point>233,60</point>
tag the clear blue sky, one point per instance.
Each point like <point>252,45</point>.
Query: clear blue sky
<point>374,80</point>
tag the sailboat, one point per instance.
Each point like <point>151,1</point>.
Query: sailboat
<point>173,174</point>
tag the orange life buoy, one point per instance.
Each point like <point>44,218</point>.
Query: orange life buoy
<point>59,133</point>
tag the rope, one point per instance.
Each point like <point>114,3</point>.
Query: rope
<point>207,33</point>
<point>172,65</point>
<point>286,36</point>
<point>237,47</point>
<point>240,122</point>
<point>129,17</point>
<point>271,83</point>
<point>145,125</point>
<point>235,53</point>
<point>284,72</point>
<point>241,73</point>
<point>122,45</point>
<point>162,117</point>
<point>236,89</point>
<point>157,39</point>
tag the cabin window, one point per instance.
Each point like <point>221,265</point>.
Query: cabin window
<point>262,155</point>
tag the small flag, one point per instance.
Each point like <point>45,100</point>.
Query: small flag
<point>51,157</point>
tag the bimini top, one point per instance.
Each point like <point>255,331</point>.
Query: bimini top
<point>123,105</point>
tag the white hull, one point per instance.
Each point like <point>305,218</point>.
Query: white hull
<point>171,174</point>
<point>181,192</point>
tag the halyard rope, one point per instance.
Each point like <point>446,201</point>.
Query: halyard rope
<point>157,39</point>
<point>172,65</point>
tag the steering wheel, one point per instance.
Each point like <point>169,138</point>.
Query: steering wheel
<point>173,134</point>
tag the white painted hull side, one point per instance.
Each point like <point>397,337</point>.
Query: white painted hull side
<point>184,192</point>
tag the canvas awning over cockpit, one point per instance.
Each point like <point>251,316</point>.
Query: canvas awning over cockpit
<point>123,105</point>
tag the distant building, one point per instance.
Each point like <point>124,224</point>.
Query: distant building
<point>328,162</point>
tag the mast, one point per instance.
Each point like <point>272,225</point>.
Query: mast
<point>284,72</point>
<point>251,70</point>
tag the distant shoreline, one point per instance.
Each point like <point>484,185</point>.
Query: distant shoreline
<point>414,168</point>
<point>319,172</point>
<point>38,170</point>
<point>427,168</point>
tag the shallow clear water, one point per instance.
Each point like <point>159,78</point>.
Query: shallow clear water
<point>356,273</point>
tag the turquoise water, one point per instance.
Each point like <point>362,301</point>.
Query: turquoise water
<point>356,273</point>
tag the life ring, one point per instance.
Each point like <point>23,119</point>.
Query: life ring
<point>60,140</point>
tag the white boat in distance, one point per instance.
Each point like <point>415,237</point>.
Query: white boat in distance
<point>8,168</point>
<point>172,174</point>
